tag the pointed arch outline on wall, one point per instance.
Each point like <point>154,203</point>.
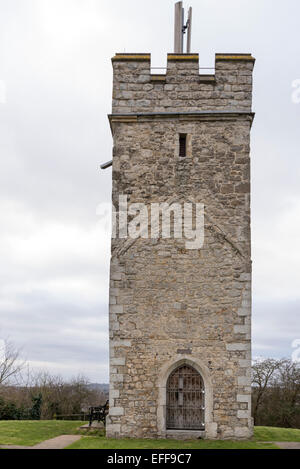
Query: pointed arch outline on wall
<point>163,376</point>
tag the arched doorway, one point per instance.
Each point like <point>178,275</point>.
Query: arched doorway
<point>185,399</point>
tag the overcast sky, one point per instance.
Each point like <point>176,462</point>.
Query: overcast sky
<point>55,94</point>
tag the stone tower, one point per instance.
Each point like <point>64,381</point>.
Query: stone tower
<point>180,319</point>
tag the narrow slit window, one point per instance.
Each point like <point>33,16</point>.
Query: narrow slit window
<point>182,145</point>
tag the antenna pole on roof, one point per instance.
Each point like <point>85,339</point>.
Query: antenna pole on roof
<point>180,29</point>
<point>189,31</point>
<point>178,33</point>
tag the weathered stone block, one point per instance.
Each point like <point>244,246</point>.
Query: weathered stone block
<point>116,411</point>
<point>237,347</point>
<point>243,414</point>
<point>116,309</point>
<point>117,361</point>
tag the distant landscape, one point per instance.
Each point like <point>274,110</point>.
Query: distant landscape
<point>102,387</point>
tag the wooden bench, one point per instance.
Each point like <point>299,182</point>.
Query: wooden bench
<point>98,413</point>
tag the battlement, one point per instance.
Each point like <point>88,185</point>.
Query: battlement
<point>182,88</point>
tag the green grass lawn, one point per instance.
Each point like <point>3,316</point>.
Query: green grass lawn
<point>30,432</point>
<point>262,435</point>
<point>91,442</point>
<point>276,434</point>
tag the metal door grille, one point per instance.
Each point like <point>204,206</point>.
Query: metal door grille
<point>185,399</point>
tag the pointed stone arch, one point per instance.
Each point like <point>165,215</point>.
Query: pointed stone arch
<point>167,369</point>
<point>185,406</point>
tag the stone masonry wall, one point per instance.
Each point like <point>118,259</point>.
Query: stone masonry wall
<point>168,303</point>
<point>182,89</point>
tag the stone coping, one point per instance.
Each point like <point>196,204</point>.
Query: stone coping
<point>158,77</point>
<point>247,57</point>
<point>193,114</point>
<point>183,57</point>
<point>202,78</point>
<point>207,78</point>
<point>183,116</point>
<point>146,57</point>
<point>131,58</point>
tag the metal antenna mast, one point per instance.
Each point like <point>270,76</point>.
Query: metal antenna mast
<point>189,31</point>
<point>180,29</point>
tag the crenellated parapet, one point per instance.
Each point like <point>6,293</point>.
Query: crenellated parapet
<point>182,88</point>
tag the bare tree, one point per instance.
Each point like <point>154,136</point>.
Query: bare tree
<point>11,363</point>
<point>263,373</point>
<point>287,391</point>
<point>61,397</point>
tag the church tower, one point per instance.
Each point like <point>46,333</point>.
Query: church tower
<point>180,315</point>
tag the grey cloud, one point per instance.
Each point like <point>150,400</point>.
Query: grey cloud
<point>54,133</point>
